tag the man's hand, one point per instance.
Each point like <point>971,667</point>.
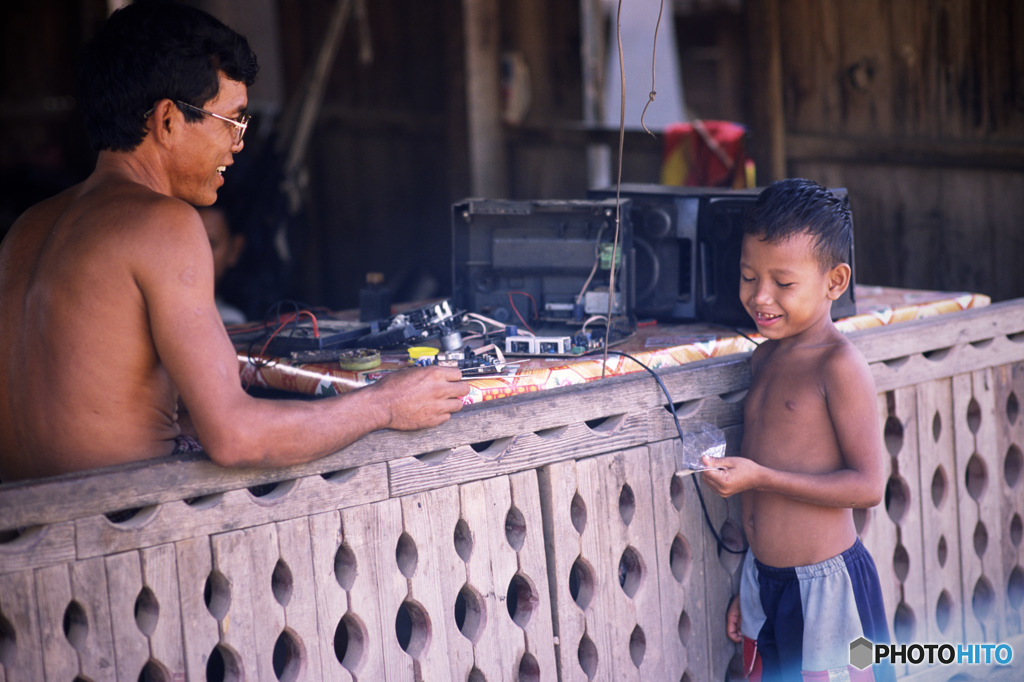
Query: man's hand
<point>421,397</point>
<point>733,619</point>
<point>729,475</point>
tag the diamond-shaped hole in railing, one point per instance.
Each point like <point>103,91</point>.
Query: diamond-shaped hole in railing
<point>627,504</point>
<point>631,571</point>
<point>676,492</point>
<point>982,599</point>
<point>586,654</point>
<point>350,642</point>
<point>637,646</point>
<point>463,539</point>
<point>76,626</point>
<point>154,671</point>
<point>515,528</point>
<point>900,563</point>
<point>976,477</point>
<point>1015,587</point>
<point>469,613</point>
<point>412,628</point>
<point>147,611</point>
<point>893,433</point>
<point>521,599</point>
<point>897,498</point>
<point>581,582</point>
<point>1013,464</point>
<point>288,656</point>
<point>406,555</point>
<point>345,569</point>
<point>679,558</point>
<point>578,513</point>
<point>529,669</point>
<point>973,416</point>
<point>281,582</point>
<point>904,623</point>
<point>217,594</point>
<point>940,484</point>
<point>943,611</point>
<point>980,539</point>
<point>684,627</point>
<point>223,665</point>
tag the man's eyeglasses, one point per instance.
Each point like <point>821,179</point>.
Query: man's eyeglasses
<point>240,124</point>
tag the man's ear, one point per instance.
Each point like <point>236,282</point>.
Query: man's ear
<point>163,120</point>
<point>839,280</point>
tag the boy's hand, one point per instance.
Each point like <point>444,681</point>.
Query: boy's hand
<point>729,475</point>
<point>733,619</point>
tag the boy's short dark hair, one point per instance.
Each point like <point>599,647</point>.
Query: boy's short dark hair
<point>149,51</point>
<point>795,206</point>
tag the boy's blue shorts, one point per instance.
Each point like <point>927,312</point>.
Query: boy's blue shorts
<point>798,622</point>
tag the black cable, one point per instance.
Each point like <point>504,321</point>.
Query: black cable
<point>679,430</point>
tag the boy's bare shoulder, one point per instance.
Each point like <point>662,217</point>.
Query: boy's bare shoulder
<point>843,365</point>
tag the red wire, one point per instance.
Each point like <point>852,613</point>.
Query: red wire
<point>516,310</point>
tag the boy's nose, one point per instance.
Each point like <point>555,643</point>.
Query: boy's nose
<point>762,294</point>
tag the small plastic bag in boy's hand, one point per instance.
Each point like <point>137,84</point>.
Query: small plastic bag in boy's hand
<point>702,439</point>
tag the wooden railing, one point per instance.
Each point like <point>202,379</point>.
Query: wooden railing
<point>540,537</point>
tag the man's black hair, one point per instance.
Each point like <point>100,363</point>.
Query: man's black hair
<point>149,51</point>
<point>796,205</point>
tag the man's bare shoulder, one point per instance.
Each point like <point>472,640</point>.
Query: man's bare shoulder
<point>133,209</point>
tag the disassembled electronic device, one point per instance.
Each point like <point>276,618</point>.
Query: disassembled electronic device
<point>414,326</point>
<point>483,361</point>
<point>542,261</point>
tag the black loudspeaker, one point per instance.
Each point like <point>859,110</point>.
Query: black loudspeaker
<point>719,238</point>
<point>664,219</point>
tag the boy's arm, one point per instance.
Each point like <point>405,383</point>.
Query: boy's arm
<point>851,396</point>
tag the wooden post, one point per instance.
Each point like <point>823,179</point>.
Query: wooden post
<point>766,72</point>
<point>487,156</point>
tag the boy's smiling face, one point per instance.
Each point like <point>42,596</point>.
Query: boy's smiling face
<point>783,287</point>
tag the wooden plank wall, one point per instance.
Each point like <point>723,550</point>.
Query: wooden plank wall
<point>913,106</point>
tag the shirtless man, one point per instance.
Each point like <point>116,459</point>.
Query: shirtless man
<point>812,448</point>
<point>106,290</point>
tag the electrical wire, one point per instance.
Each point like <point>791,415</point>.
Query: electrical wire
<point>679,430</point>
<point>512,304</point>
<point>618,181</point>
<point>654,58</point>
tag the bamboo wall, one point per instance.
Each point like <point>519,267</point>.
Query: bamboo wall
<point>539,537</point>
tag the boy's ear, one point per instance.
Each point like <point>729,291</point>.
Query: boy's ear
<point>839,280</point>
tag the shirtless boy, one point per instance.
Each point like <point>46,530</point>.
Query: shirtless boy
<point>812,449</point>
<point>107,289</point>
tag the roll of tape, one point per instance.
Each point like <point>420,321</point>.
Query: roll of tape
<point>359,359</point>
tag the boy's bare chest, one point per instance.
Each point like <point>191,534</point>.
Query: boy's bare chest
<point>786,400</point>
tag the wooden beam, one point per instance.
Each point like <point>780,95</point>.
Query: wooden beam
<point>487,156</point>
<point>905,151</point>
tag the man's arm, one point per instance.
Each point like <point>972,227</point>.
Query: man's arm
<point>850,395</point>
<point>236,429</point>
